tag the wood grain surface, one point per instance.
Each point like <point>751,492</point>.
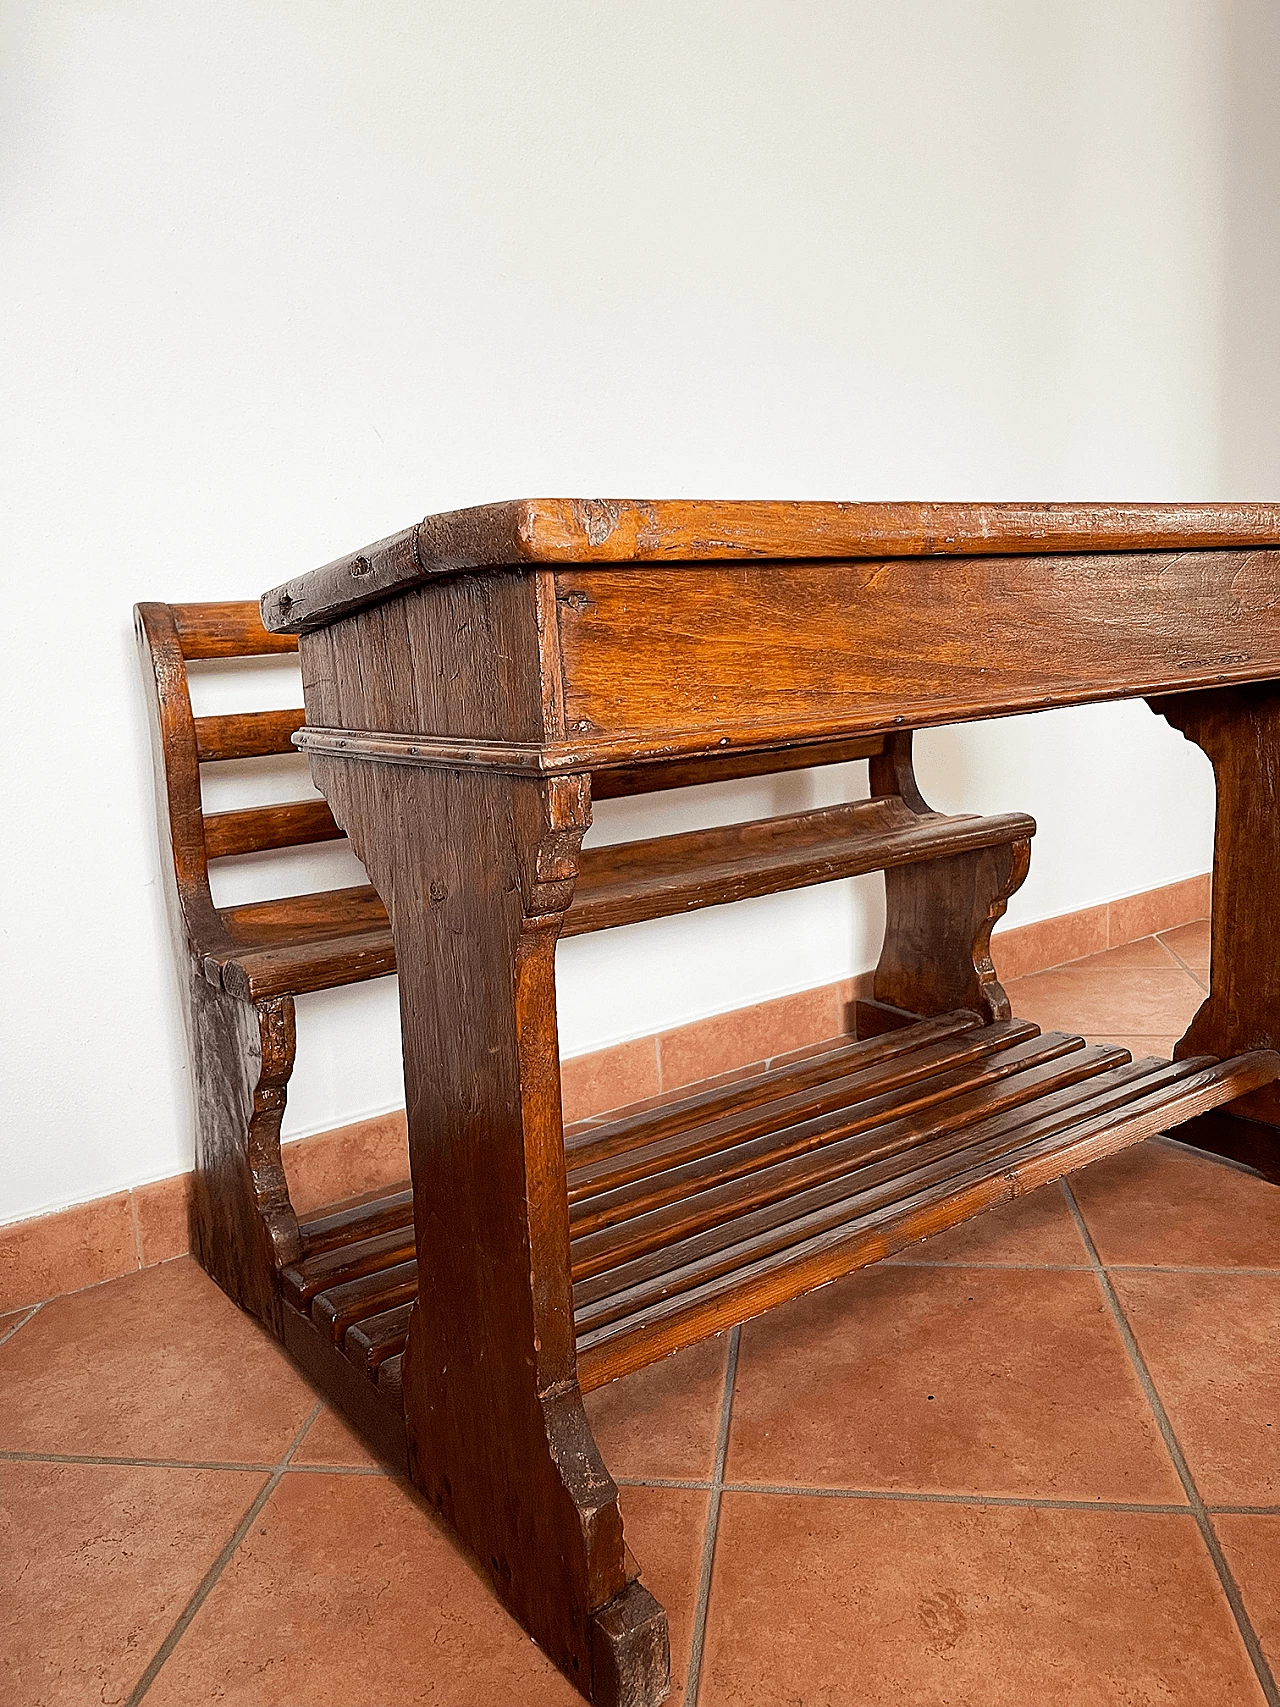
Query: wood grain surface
<point>638,530</point>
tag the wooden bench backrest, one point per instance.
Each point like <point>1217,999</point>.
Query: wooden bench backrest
<point>170,636</point>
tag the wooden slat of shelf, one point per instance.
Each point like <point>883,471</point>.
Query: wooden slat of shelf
<point>679,1113</point>
<point>588,1187</point>
<point>247,734</point>
<point>745,1291</point>
<point>360,1221</point>
<point>704,1256</point>
<point>338,1307</point>
<point>369,1343</point>
<point>302,1281</point>
<point>779,1181</point>
<point>675,1184</point>
<point>256,829</point>
<point>630,881</point>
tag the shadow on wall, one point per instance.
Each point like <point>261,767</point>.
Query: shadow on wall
<point>1250,397</point>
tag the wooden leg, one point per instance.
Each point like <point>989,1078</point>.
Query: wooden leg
<point>939,914</point>
<point>1239,729</point>
<point>243,1228</point>
<point>476,870</point>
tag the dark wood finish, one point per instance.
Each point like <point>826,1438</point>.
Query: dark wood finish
<point>240,967</point>
<point>470,683</point>
<point>1239,730</point>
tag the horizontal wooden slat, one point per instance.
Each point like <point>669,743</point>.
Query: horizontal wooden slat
<point>790,1164</point>
<point>369,1343</point>
<point>686,773</point>
<point>301,1282</point>
<point>599,1182</point>
<point>678,1112</point>
<point>360,1221</point>
<point>247,734</point>
<point>860,1190</point>
<point>227,630</point>
<point>255,829</point>
<point>630,881</point>
<point>324,965</point>
<point>317,917</point>
<point>339,1307</point>
<point>795,1259</point>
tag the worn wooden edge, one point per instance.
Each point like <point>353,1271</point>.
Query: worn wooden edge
<point>563,531</point>
<point>229,628</point>
<point>610,751</point>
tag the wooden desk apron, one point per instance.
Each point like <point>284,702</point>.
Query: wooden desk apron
<point>470,684</point>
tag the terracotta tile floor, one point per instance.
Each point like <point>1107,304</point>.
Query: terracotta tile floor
<point>1035,1460</point>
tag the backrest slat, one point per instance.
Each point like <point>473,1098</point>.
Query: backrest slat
<point>228,630</point>
<point>247,734</point>
<point>254,829</point>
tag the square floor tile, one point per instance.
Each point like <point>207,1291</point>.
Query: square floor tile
<point>1038,1228</point>
<point>96,1563</point>
<point>1132,1002</point>
<point>1252,1548</point>
<point>1155,1203</point>
<point>159,1364</point>
<point>871,1603</point>
<point>948,1380</point>
<point>663,1421</point>
<point>347,1592</point>
<point>1213,1349</point>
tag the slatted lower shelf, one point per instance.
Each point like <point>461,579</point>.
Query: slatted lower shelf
<point>708,1208</point>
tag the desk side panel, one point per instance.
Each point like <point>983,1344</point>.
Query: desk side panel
<point>471,655</point>
<point>814,647</point>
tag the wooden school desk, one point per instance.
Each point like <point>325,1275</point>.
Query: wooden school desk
<point>471,685</point>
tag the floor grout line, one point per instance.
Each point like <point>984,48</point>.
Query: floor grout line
<point>1028,1502</point>
<point>1230,1588</point>
<point>135,1463</point>
<point>661,1482</point>
<point>219,1565</point>
<point>32,1310</point>
<point>1189,970</point>
<point>110,1460</point>
<point>694,1677</point>
<point>1032,1502</point>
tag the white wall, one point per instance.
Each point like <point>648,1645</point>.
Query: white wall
<point>281,279</point>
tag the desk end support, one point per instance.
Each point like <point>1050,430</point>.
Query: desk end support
<point>1239,730</point>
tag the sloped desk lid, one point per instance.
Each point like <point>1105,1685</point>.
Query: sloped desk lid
<point>547,532</point>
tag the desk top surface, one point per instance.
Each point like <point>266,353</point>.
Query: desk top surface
<point>550,532</point>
